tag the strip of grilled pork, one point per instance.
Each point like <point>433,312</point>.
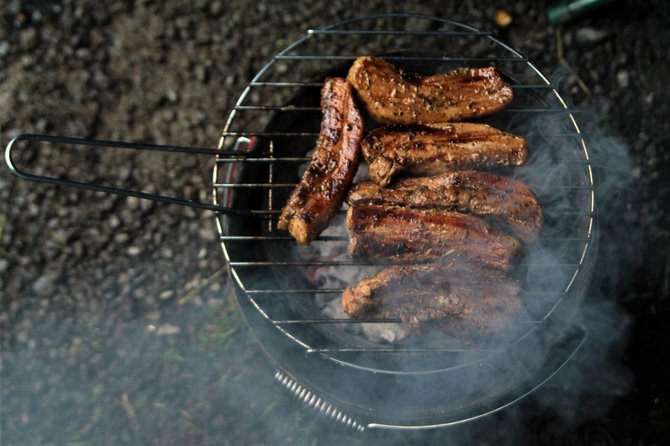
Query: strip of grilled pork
<point>497,198</point>
<point>402,234</point>
<point>394,96</point>
<point>478,297</point>
<point>323,187</point>
<point>443,148</point>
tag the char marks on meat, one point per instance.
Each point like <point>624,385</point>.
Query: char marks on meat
<point>469,296</point>
<point>402,234</point>
<point>497,198</point>
<point>394,96</point>
<point>442,148</point>
<point>322,189</point>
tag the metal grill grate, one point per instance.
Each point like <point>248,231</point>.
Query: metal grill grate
<point>269,98</point>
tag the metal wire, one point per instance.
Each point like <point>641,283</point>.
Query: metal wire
<point>320,84</point>
<point>296,108</point>
<point>354,263</point>
<point>13,147</point>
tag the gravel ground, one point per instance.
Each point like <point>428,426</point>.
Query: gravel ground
<point>116,322</point>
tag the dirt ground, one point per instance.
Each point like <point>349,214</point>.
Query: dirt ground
<point>116,323</point>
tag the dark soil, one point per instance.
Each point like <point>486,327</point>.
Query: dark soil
<point>116,322</point>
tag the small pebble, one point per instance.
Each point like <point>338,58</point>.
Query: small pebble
<point>43,285</point>
<point>207,233</point>
<point>121,238</point>
<point>622,78</point>
<point>216,7</point>
<point>167,330</point>
<point>201,73</point>
<point>168,115</point>
<point>172,95</point>
<point>164,295</point>
<point>133,203</point>
<point>114,221</point>
<point>167,253</point>
<point>590,36</point>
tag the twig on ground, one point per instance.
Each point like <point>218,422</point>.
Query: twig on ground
<point>130,411</point>
<point>564,62</point>
<point>203,285</point>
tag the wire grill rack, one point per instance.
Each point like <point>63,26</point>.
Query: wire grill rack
<point>278,115</point>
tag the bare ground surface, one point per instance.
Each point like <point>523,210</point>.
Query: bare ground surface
<point>116,322</point>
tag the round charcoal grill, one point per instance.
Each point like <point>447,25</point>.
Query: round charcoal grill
<point>327,360</point>
<point>289,294</point>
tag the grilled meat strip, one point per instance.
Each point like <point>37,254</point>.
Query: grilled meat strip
<point>399,234</point>
<point>481,298</point>
<point>497,198</point>
<point>446,147</point>
<point>394,96</point>
<point>322,189</point>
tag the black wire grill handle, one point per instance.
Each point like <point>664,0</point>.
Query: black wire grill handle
<point>11,149</point>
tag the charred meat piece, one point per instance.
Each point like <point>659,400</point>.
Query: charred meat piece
<point>477,297</point>
<point>497,198</point>
<point>394,96</point>
<point>402,234</point>
<point>323,187</point>
<point>448,147</point>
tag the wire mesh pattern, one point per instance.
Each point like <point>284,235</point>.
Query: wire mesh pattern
<point>277,118</point>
